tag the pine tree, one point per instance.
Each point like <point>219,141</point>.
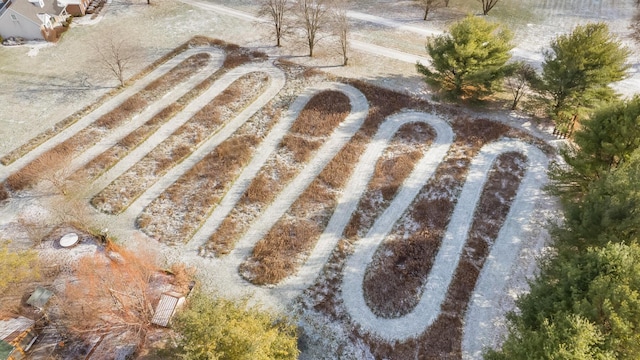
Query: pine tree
<point>604,142</point>
<point>469,61</point>
<point>578,69</point>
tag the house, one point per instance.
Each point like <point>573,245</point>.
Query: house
<point>169,303</point>
<point>31,19</point>
<point>16,337</point>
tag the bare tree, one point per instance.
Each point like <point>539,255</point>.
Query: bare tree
<point>429,5</point>
<point>487,5</point>
<point>115,54</point>
<point>276,9</point>
<point>520,81</point>
<point>635,26</point>
<point>312,15</point>
<point>341,28</point>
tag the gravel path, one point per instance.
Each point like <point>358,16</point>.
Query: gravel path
<point>357,185</point>
<point>448,256</point>
<point>483,315</point>
<point>108,106</point>
<point>359,105</point>
<point>215,62</point>
<point>277,82</point>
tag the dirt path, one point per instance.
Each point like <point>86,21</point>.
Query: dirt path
<point>108,106</point>
<point>448,256</point>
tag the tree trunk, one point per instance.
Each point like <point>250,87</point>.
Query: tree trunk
<point>426,12</point>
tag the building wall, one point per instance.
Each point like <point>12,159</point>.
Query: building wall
<point>21,27</point>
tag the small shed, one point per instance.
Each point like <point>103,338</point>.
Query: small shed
<point>40,297</point>
<point>16,337</point>
<point>169,303</point>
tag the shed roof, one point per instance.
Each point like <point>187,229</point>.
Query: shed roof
<point>166,308</point>
<point>11,328</point>
<point>40,297</point>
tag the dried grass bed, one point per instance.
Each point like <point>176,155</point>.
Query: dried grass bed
<point>286,245</point>
<point>322,114</point>
<point>118,195</point>
<point>84,139</point>
<point>280,252</point>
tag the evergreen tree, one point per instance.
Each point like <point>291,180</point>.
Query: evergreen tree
<point>602,144</point>
<point>578,69</point>
<point>470,60</point>
<point>216,328</point>
<point>581,307</point>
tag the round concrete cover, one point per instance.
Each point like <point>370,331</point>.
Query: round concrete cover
<point>69,240</point>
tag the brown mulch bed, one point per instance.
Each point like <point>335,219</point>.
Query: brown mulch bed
<point>280,252</point>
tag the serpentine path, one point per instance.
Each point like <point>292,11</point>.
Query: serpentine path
<point>359,110</point>
<point>502,256</point>
<point>215,61</point>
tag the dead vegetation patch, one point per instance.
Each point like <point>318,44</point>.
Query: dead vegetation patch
<point>118,195</point>
<point>321,115</point>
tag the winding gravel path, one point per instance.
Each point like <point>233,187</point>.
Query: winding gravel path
<point>110,105</point>
<point>359,110</point>
<point>446,262</point>
<point>215,62</point>
<point>482,313</point>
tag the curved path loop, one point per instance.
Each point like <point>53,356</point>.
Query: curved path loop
<point>359,180</point>
<point>359,111</point>
<point>446,261</point>
<point>227,267</point>
<point>482,312</point>
<point>277,81</point>
<point>217,56</point>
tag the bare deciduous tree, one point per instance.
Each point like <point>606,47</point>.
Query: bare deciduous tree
<point>115,54</point>
<point>341,28</point>
<point>520,81</point>
<point>635,26</point>
<point>429,5</point>
<point>276,10</point>
<point>312,15</point>
<point>487,5</point>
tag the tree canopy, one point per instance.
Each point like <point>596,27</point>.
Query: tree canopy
<point>603,143</point>
<point>470,60</point>
<point>217,328</point>
<point>579,67</point>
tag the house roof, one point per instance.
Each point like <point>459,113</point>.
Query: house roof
<point>166,307</point>
<point>40,297</point>
<point>31,10</point>
<point>11,328</point>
